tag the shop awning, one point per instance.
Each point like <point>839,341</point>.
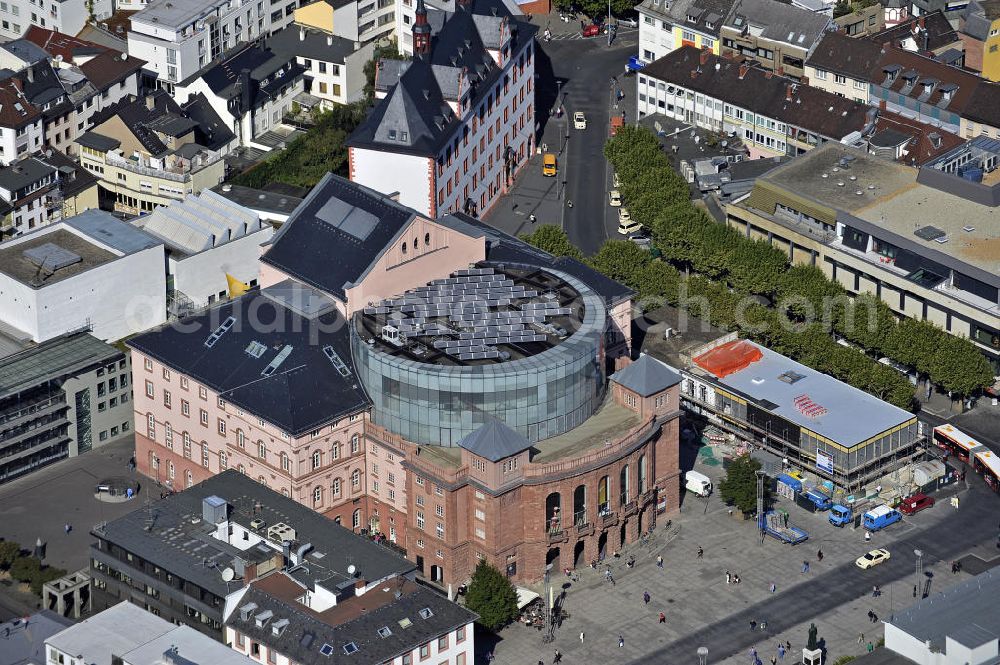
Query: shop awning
<point>525,597</point>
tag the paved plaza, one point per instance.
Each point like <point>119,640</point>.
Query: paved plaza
<point>702,610</point>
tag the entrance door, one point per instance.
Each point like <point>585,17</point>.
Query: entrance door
<point>602,545</point>
<point>552,559</point>
<point>578,554</point>
<point>622,531</point>
<point>420,564</point>
<point>437,574</point>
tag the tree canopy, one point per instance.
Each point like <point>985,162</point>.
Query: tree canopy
<point>492,596</point>
<point>739,487</point>
<point>553,240</point>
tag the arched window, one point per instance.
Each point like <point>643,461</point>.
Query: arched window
<point>336,520</point>
<point>427,239</point>
<point>335,451</point>
<point>317,495</point>
<point>241,469</point>
<point>317,459</point>
<point>355,444</point>
<point>642,475</point>
<point>261,480</point>
<point>286,463</point>
<point>416,243</point>
<point>336,488</point>
<point>602,496</point>
<point>262,450</point>
<point>223,460</point>
<point>355,479</point>
<point>170,470</point>
<point>188,479</point>
<point>241,438</point>
<point>404,247</point>
<point>168,435</point>
<point>356,518</point>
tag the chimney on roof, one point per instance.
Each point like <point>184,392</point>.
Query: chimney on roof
<point>704,55</point>
<point>31,74</point>
<point>150,102</point>
<point>302,34</point>
<point>360,584</point>
<point>744,68</point>
<point>881,105</point>
<point>788,92</point>
<point>329,40</point>
<point>245,93</point>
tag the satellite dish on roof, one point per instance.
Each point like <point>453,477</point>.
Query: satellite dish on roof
<point>351,569</point>
<point>228,574</point>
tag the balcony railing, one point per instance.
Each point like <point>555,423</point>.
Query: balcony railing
<point>174,173</point>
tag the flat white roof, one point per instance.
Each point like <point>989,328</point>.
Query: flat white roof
<point>813,400</point>
<point>116,630</point>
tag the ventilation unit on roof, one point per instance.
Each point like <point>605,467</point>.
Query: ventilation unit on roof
<point>280,532</point>
<point>791,376</point>
<point>968,229</point>
<point>219,332</point>
<point>257,524</point>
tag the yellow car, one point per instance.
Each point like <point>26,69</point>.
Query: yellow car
<point>549,164</point>
<point>615,198</point>
<point>873,558</point>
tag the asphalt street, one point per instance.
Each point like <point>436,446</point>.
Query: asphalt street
<point>972,525</point>
<point>576,74</point>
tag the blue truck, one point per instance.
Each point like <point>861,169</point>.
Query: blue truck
<point>819,499</point>
<point>880,517</point>
<point>775,524</point>
<point>841,515</point>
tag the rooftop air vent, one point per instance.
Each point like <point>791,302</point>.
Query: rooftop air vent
<point>929,233</point>
<point>791,376</point>
<point>968,229</point>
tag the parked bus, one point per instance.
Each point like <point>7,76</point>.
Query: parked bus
<point>987,464</point>
<point>983,460</point>
<point>955,442</point>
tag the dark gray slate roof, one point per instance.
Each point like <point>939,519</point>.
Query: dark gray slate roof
<point>646,376</point>
<point>309,43</point>
<point>354,620</point>
<point>24,173</point>
<point>210,130</point>
<point>414,117</point>
<point>177,545</point>
<point>780,22</point>
<point>23,639</point>
<point>494,441</point>
<point>305,392</point>
<point>98,142</point>
<point>338,218</point>
<point>971,603</point>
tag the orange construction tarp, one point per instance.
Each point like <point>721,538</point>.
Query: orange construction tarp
<point>729,358</point>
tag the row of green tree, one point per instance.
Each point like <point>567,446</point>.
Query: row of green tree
<point>658,197</point>
<point>742,284</point>
<point>25,568</point>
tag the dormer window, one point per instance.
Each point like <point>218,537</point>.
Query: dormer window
<point>392,134</point>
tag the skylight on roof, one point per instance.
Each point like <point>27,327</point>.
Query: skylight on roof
<point>384,631</point>
<point>350,648</point>
<point>405,622</point>
<point>326,649</point>
<point>426,613</point>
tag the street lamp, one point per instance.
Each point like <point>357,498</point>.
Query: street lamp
<point>702,655</point>
<point>919,571</point>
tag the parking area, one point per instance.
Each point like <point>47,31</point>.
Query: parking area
<point>701,609</point>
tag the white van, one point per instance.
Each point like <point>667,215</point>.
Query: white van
<point>698,483</point>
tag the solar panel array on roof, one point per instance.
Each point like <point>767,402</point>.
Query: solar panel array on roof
<point>51,256</point>
<point>348,218</point>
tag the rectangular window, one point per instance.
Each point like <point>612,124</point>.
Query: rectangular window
<point>203,417</point>
<point>222,426</point>
<point>149,389</point>
<point>166,399</point>
<point>185,407</point>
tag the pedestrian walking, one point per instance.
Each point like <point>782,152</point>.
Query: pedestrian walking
<point>701,553</point>
<point>541,662</point>
<point>621,642</point>
<point>753,653</point>
<point>581,637</point>
<point>805,566</point>
<point>868,536</point>
<point>871,613</point>
<point>663,617</point>
<point>819,555</point>
<point>753,625</point>
<point>68,527</point>
<point>645,597</point>
<point>861,638</point>
<point>874,618</point>
<point>781,651</point>
<point>729,578</point>
<point>773,587</point>
<point>774,660</point>
<point>871,647</point>
<point>557,658</point>
<point>659,562</point>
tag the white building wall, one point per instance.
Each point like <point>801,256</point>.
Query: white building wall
<point>118,299</point>
<point>390,172</point>
<point>69,16</point>
<point>204,274</point>
<point>116,93</point>
<point>20,143</point>
<point>656,37</point>
<point>18,306</point>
